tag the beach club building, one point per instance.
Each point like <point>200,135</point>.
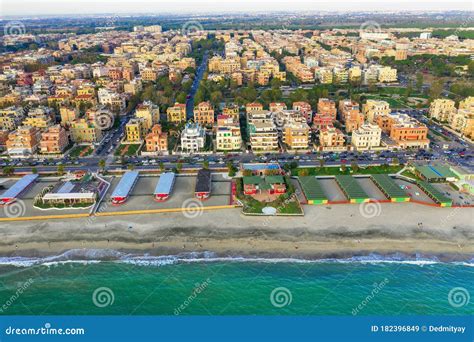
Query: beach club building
<point>164,187</point>
<point>17,189</point>
<point>312,190</point>
<point>435,173</point>
<point>389,188</point>
<point>203,184</point>
<point>352,189</point>
<point>270,184</point>
<point>124,187</point>
<point>72,193</point>
<point>435,194</point>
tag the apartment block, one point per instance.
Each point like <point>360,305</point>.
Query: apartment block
<point>204,114</point>
<point>366,137</point>
<point>228,135</point>
<point>373,108</point>
<point>327,107</point>
<point>442,109</point>
<point>331,137</point>
<point>176,113</point>
<point>23,141</point>
<point>350,115</point>
<point>83,131</point>
<point>149,112</point>
<point>54,140</point>
<point>262,131</point>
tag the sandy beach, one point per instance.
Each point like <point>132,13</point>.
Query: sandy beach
<point>324,231</point>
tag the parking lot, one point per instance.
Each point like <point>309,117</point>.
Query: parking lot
<point>414,191</point>
<point>332,190</point>
<point>371,189</point>
<point>141,197</point>
<point>457,197</point>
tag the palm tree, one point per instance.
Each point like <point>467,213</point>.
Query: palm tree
<point>60,170</point>
<point>102,164</point>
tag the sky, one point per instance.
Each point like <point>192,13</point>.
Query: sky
<point>58,7</point>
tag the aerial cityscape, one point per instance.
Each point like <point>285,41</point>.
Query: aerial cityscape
<point>237,163</point>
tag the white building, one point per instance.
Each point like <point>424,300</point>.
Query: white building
<point>193,138</point>
<point>366,137</point>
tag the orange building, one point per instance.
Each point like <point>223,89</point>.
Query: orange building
<point>157,140</point>
<point>404,130</point>
<point>304,108</point>
<point>204,114</point>
<point>350,115</point>
<point>23,141</point>
<point>331,137</point>
<point>253,107</point>
<point>327,107</point>
<point>54,140</point>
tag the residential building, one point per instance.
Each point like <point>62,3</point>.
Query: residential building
<point>157,140</point>
<point>149,112</point>
<point>263,134</point>
<point>23,141</point>
<point>442,109</point>
<point>54,140</point>
<point>83,131</point>
<point>204,114</point>
<point>304,108</point>
<point>366,137</point>
<point>135,130</point>
<point>11,117</point>
<point>373,108</point>
<point>228,135</point>
<point>350,115</point>
<point>176,113</point>
<point>232,111</point>
<point>331,137</point>
<point>193,138</point>
<point>387,75</point>
<point>68,115</point>
<point>253,107</point>
<point>327,107</point>
<point>296,134</point>
<point>277,106</point>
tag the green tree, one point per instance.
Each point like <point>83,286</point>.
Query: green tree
<point>162,166</point>
<point>102,164</point>
<point>60,169</point>
<point>205,164</point>
<point>34,170</point>
<point>179,167</point>
<point>436,89</point>
<point>354,167</point>
<point>419,81</point>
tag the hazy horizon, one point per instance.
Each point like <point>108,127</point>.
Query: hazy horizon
<point>155,7</point>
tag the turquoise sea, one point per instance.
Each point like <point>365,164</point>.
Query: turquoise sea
<point>203,284</point>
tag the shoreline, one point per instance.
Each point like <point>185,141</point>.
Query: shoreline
<point>447,233</point>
